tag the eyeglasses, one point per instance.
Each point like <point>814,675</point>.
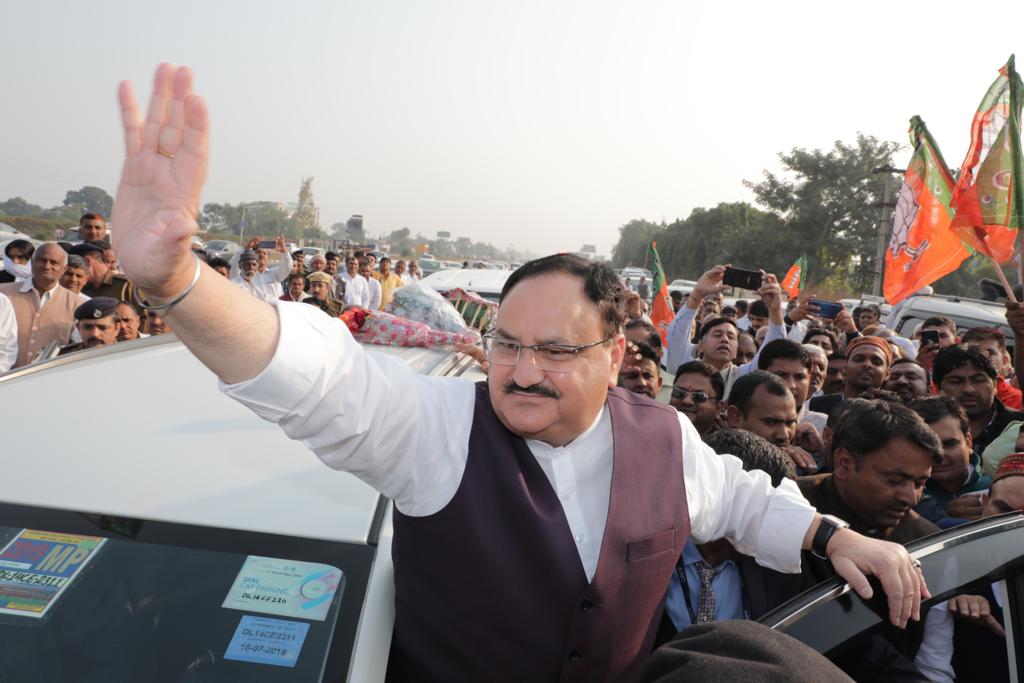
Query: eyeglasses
<point>551,357</point>
<point>698,397</point>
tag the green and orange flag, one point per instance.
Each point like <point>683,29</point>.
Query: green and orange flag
<point>922,248</point>
<point>661,304</point>
<point>988,199</point>
<point>793,283</point>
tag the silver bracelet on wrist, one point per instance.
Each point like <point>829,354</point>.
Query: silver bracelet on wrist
<point>176,300</point>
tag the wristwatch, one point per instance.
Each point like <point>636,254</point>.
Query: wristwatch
<point>829,525</point>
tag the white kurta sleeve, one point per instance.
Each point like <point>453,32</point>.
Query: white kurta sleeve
<point>725,501</point>
<point>366,413</point>
<point>8,334</point>
<point>680,348</point>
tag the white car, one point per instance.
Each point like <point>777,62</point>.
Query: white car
<point>196,501</point>
<point>223,248</point>
<point>487,282</point>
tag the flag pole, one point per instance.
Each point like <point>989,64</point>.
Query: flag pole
<point>1002,280</point>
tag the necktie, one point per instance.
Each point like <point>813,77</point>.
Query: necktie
<point>706,596</point>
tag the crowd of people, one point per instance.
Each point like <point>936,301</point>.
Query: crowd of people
<point>68,297</point>
<point>899,437</point>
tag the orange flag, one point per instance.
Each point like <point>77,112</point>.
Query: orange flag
<point>794,280</point>
<point>661,305</point>
<point>922,248</point>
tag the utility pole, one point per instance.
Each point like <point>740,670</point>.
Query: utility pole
<point>884,224</point>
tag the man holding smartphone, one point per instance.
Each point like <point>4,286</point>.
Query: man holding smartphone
<point>719,337</point>
<point>936,333</point>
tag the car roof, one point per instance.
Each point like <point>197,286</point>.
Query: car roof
<point>140,429</point>
<point>480,280</point>
<point>972,310</point>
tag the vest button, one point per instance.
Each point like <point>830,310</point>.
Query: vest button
<point>575,656</point>
<point>587,605</point>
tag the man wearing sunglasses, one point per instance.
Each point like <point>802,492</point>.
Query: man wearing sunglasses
<point>696,393</point>
<point>538,515</point>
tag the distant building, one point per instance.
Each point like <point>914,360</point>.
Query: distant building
<point>355,226</point>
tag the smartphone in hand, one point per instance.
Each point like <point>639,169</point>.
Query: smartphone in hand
<point>744,279</point>
<point>827,309</point>
<point>930,337</point>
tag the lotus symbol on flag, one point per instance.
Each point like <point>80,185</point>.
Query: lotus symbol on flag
<point>906,213</point>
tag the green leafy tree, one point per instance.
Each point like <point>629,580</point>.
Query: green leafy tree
<point>828,203</point>
<point>631,249</point>
<point>16,206</point>
<point>92,199</point>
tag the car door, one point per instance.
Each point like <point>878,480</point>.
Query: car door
<point>987,555</point>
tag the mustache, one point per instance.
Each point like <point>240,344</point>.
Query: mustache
<point>536,389</point>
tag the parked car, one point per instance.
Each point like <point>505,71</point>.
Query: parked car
<point>684,286</point>
<point>965,312</point>
<point>429,266</point>
<point>487,282</point>
<point>223,248</point>
<point>193,495</point>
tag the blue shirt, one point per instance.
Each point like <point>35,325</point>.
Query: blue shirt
<point>727,584</point>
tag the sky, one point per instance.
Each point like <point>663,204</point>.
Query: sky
<point>540,124</point>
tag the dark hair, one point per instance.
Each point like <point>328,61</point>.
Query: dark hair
<point>384,258</point>
<point>869,395</point>
<point>715,322</point>
<point>600,284</point>
<point>728,310</point>
<point>741,305</point>
<point>217,262</point>
<point>939,321</point>
<point>934,408</point>
<point>874,308</point>
<point>837,355</point>
<point>867,426</point>
<point>954,357</point>
<point>754,451</point>
<point>743,389</point>
<point>905,361</point>
<point>294,276</point>
<point>24,245</point>
<point>297,253</point>
<point>758,308</point>
<point>822,332</point>
<point>675,294</point>
<point>91,217</point>
<point>699,367</point>
<point>786,349</point>
<point>333,255</point>
<point>358,254</point>
<point>978,334</point>
<point>653,338</point>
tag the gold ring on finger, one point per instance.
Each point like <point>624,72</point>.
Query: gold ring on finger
<point>164,153</point>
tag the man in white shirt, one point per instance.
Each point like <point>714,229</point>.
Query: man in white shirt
<point>265,281</point>
<point>719,338</point>
<point>372,285</point>
<point>547,400</point>
<point>357,290</point>
<point>8,334</point>
<point>264,286</point>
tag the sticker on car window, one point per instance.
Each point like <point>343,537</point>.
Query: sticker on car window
<point>285,588</point>
<point>36,567</point>
<point>262,640</point>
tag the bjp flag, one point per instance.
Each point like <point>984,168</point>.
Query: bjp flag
<point>794,280</point>
<point>922,248</point>
<point>661,305</point>
<point>988,199</point>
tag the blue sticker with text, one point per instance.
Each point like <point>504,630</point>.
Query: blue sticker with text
<point>267,641</point>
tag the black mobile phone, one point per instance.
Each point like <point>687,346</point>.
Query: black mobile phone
<point>827,309</point>
<point>929,337</point>
<point>744,279</point>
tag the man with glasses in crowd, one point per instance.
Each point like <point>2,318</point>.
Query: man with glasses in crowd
<point>544,455</point>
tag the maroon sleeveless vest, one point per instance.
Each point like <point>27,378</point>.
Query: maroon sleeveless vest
<point>491,588</point>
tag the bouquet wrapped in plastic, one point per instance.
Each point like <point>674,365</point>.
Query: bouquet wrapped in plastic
<point>385,329</point>
<point>418,302</point>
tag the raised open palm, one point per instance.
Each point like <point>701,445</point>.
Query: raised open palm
<point>157,200</point>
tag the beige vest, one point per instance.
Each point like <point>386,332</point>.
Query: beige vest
<point>37,327</point>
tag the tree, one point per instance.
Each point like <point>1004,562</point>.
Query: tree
<point>92,199</point>
<point>631,249</point>
<point>828,202</point>
<point>16,206</point>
